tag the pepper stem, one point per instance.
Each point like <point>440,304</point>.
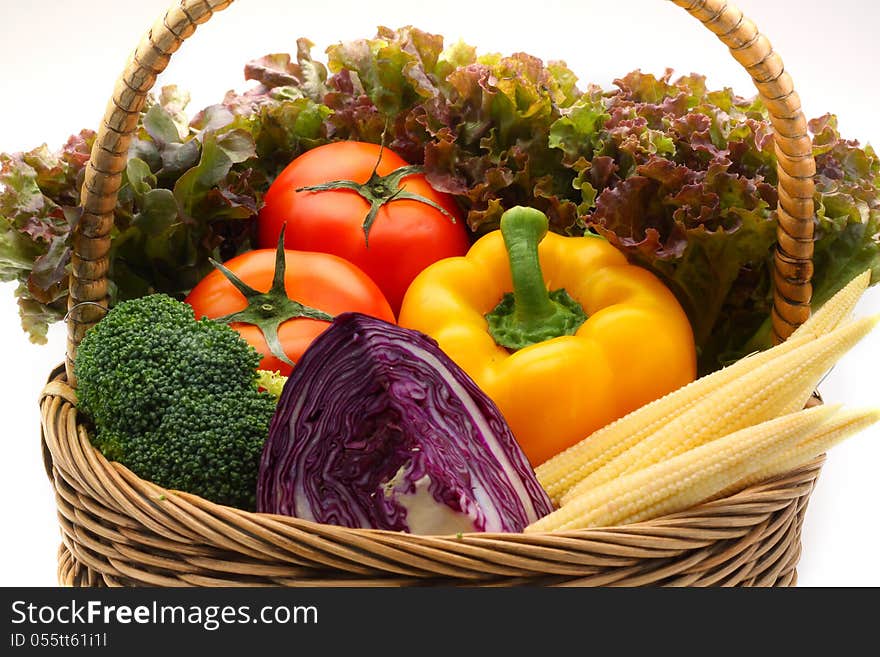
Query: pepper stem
<point>530,314</point>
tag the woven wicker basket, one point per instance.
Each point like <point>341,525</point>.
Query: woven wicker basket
<point>120,530</point>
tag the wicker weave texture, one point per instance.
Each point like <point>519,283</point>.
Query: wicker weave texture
<point>120,530</point>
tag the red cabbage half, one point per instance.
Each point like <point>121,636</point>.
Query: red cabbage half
<point>377,427</point>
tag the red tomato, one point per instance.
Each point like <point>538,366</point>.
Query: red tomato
<point>318,280</point>
<point>406,236</point>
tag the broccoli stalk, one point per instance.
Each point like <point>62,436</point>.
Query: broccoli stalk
<point>175,399</point>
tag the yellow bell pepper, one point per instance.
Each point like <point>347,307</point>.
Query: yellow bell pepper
<point>560,332</point>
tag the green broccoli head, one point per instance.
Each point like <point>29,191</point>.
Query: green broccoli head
<point>175,399</point>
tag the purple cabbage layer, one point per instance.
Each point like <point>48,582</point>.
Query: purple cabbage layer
<point>377,427</point>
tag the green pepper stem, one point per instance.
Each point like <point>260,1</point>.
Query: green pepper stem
<point>530,314</point>
<point>522,230</point>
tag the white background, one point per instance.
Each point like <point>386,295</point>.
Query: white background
<point>59,61</point>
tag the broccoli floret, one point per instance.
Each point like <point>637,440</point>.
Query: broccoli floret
<point>272,382</point>
<point>175,399</point>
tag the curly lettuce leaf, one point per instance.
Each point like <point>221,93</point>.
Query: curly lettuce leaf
<point>39,193</point>
<point>682,180</point>
<point>847,209</point>
<point>678,176</point>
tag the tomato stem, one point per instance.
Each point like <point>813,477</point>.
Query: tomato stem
<point>269,310</point>
<point>379,190</point>
<point>530,314</point>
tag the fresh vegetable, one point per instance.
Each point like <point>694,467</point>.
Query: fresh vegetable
<point>606,340</point>
<point>271,381</point>
<point>832,313</point>
<point>753,398</point>
<point>175,399</point>
<point>809,445</point>
<point>365,204</point>
<point>679,176</point>
<point>280,300</point>
<point>376,427</point>
<point>735,397</point>
<point>725,464</point>
<point>683,180</point>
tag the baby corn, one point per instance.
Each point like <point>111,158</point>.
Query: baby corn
<point>701,473</point>
<point>750,399</point>
<point>844,424</point>
<point>560,473</point>
<point>835,310</point>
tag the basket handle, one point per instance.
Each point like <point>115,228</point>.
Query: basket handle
<point>796,167</point>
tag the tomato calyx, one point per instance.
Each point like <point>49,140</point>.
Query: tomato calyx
<point>379,190</point>
<point>269,310</point>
